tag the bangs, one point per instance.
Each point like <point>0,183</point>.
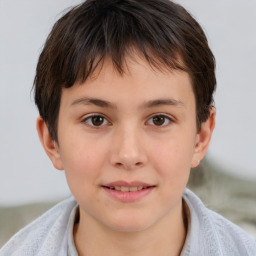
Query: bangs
<point>112,31</point>
<point>159,31</point>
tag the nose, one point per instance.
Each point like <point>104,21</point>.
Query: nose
<point>127,149</point>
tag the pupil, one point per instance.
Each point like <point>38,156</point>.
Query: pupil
<point>97,120</point>
<point>158,120</point>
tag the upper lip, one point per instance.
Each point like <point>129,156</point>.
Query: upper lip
<point>120,183</point>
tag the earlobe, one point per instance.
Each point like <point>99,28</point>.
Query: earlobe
<point>50,146</point>
<point>195,163</point>
<point>203,138</point>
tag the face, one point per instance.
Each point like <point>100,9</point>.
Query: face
<point>127,144</point>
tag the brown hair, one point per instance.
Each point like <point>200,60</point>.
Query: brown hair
<point>163,31</point>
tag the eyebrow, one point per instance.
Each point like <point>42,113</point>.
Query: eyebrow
<point>160,102</point>
<point>93,101</point>
<point>107,104</point>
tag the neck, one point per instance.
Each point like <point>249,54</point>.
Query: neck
<point>166,237</point>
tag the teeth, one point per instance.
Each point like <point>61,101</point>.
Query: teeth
<point>124,189</point>
<point>127,189</point>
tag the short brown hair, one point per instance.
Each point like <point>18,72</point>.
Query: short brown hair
<point>161,30</point>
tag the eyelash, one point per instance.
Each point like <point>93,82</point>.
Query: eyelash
<point>88,120</point>
<point>90,123</point>
<point>165,117</point>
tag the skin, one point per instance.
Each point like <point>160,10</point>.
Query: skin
<point>129,144</point>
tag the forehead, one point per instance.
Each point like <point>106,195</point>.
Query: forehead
<point>134,57</point>
<point>139,82</point>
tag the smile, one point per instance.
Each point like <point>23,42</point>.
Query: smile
<point>128,192</point>
<point>127,189</point>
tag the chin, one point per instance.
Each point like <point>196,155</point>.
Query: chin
<point>129,228</point>
<point>130,224</point>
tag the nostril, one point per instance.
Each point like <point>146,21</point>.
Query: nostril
<point>128,166</point>
<point>138,164</point>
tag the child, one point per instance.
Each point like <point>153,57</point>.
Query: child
<point>125,90</point>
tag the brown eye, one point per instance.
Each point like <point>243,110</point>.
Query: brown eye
<point>95,121</point>
<point>159,120</point>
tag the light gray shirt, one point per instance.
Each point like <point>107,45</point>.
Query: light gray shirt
<point>209,234</point>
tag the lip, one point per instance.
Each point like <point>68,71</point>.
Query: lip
<point>127,197</point>
<point>122,183</point>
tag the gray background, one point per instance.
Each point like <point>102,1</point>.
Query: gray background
<point>26,174</point>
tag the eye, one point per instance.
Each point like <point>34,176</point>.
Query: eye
<point>159,120</point>
<point>96,121</point>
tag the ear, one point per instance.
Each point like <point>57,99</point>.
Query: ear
<point>203,138</point>
<point>50,146</point>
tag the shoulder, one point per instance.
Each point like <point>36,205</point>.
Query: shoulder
<point>46,232</point>
<point>232,237</point>
<point>215,234</point>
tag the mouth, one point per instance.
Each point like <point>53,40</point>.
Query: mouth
<point>128,192</point>
<point>127,189</point>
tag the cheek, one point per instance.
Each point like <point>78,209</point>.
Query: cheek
<point>173,159</point>
<point>82,160</point>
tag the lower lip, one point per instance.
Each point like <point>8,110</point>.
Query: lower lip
<point>128,196</point>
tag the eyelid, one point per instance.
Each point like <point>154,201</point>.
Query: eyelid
<point>168,117</point>
<point>88,116</point>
